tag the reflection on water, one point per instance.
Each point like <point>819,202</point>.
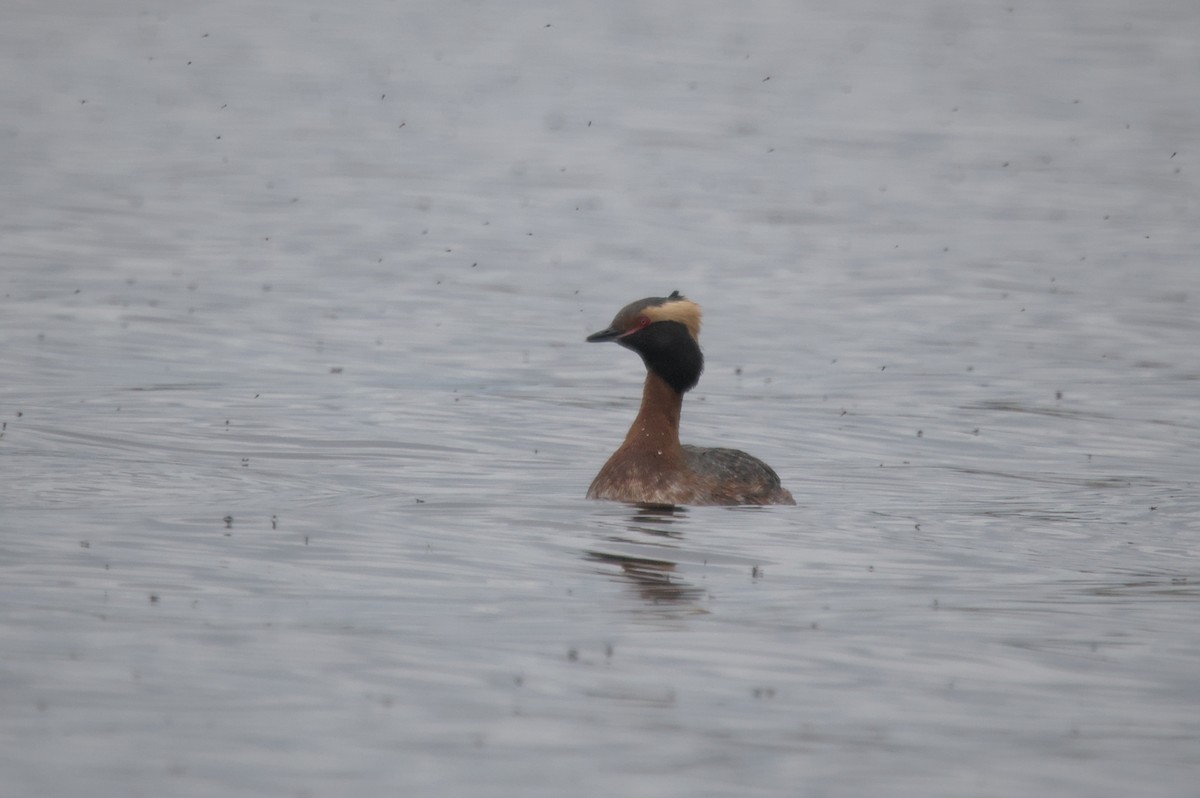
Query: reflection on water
<point>654,580</point>
<point>657,519</point>
<point>652,573</point>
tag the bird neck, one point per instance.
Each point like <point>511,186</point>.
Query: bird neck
<point>657,424</point>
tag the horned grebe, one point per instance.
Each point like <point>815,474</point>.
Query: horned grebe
<point>651,467</point>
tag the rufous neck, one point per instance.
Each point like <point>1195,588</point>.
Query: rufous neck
<point>657,422</point>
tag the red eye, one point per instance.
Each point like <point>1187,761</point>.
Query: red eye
<point>641,323</point>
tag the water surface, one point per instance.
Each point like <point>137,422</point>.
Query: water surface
<point>298,417</point>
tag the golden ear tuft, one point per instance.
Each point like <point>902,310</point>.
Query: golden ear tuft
<point>684,311</point>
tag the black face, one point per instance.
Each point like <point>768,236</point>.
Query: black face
<point>670,351</point>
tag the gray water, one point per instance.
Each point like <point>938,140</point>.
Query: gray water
<point>298,416</point>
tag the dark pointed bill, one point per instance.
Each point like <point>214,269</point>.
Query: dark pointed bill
<point>611,334</point>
